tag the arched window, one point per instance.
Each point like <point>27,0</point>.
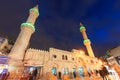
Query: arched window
<point>81,71</point>
<point>73,59</point>
<point>62,57</point>
<point>66,71</point>
<point>54,56</point>
<point>92,61</point>
<point>80,59</point>
<point>66,57</point>
<point>63,71</point>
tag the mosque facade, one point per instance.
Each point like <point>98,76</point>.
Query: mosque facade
<point>56,60</point>
<point>23,60</point>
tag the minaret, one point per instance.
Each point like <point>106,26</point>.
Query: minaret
<point>86,41</point>
<point>18,51</point>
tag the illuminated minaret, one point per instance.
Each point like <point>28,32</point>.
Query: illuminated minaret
<point>18,51</point>
<point>86,41</point>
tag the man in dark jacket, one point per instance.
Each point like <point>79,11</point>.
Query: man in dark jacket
<point>35,74</point>
<point>106,73</point>
<point>103,73</point>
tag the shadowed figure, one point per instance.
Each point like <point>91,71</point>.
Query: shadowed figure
<point>104,73</point>
<point>35,74</point>
<point>59,75</point>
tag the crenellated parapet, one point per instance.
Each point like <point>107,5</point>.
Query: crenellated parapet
<point>35,54</point>
<point>35,57</point>
<point>37,50</point>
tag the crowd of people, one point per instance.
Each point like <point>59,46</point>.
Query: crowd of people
<point>4,75</point>
<point>29,75</point>
<point>104,73</point>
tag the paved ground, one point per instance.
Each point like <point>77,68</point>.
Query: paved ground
<point>92,78</point>
<point>85,78</point>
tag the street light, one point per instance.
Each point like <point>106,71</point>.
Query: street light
<point>82,52</point>
<point>100,62</point>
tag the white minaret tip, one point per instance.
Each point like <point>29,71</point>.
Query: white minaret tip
<point>35,9</point>
<point>81,24</point>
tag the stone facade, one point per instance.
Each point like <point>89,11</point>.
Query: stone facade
<point>53,61</point>
<point>63,61</point>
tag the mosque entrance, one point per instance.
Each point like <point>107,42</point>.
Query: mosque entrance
<point>74,72</point>
<point>65,71</point>
<point>81,71</point>
<point>54,71</point>
<point>31,72</point>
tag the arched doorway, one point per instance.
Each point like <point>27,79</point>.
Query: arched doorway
<point>32,72</point>
<point>65,71</point>
<point>74,72</point>
<point>54,71</point>
<point>81,71</point>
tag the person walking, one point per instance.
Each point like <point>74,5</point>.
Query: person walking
<point>101,73</point>
<point>35,74</point>
<point>104,73</point>
<point>74,74</point>
<point>59,75</point>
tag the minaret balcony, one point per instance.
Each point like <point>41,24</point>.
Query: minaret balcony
<point>26,24</point>
<point>86,41</point>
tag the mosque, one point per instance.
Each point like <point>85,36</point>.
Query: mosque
<point>23,60</point>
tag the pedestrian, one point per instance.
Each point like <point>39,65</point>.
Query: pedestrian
<point>35,74</point>
<point>89,73</point>
<point>30,76</point>
<point>81,75</point>
<point>96,72</point>
<point>59,75</point>
<point>74,74</point>
<point>101,73</point>
<point>106,73</point>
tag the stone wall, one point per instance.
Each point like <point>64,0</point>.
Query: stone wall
<point>59,59</point>
<point>35,57</point>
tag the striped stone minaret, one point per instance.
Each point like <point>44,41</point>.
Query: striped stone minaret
<point>86,41</point>
<point>18,51</point>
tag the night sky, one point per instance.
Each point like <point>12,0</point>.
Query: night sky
<point>58,23</point>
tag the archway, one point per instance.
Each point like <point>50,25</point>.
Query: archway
<point>81,71</point>
<point>74,72</point>
<point>54,71</point>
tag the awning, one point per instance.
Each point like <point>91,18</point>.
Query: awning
<point>4,59</point>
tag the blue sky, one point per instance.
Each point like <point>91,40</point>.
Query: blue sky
<point>58,23</point>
